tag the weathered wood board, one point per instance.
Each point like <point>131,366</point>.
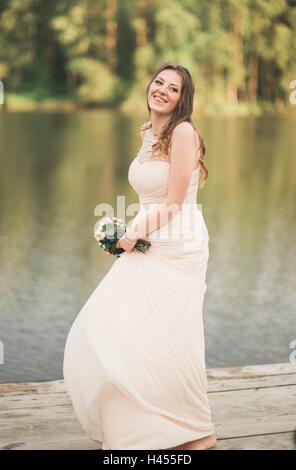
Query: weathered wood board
<point>253,408</point>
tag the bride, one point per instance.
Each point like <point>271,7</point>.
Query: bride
<point>134,359</point>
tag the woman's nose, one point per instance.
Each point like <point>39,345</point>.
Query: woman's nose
<point>162,89</point>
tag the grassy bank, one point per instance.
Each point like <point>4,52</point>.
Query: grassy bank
<point>31,102</point>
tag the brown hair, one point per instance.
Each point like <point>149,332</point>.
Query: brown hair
<point>181,113</point>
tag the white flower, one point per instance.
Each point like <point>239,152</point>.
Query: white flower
<point>102,222</point>
<point>101,235</point>
<point>105,220</point>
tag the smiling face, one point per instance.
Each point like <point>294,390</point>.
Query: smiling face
<point>165,91</point>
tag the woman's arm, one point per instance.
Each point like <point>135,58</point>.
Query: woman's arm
<point>183,157</point>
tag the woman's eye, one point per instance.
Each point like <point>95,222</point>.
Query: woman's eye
<point>158,81</point>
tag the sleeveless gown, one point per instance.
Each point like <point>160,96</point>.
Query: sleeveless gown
<point>134,359</point>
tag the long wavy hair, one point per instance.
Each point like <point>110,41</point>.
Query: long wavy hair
<point>182,112</point>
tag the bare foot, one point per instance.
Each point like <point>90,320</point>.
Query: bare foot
<point>201,444</point>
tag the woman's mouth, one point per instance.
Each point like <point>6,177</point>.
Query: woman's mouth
<point>158,99</point>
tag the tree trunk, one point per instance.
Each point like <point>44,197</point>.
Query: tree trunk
<point>232,94</point>
<point>71,82</point>
<point>253,78</point>
<point>111,34</point>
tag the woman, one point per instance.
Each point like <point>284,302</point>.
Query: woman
<point>134,363</point>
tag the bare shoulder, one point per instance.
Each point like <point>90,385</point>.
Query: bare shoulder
<point>143,129</point>
<point>184,129</point>
<point>185,132</point>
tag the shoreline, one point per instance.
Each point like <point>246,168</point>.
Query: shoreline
<point>20,104</point>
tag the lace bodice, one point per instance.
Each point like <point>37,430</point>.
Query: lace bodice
<point>149,176</point>
<point>145,152</point>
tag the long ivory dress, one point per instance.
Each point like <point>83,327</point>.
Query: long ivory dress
<point>134,359</point>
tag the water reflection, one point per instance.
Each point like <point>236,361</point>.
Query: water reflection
<point>56,168</point>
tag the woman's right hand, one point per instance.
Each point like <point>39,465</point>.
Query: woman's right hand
<point>128,246</point>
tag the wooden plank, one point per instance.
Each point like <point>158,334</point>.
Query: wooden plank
<point>43,432</point>
<point>235,413</point>
<point>82,443</point>
<point>212,374</point>
<point>32,388</point>
<point>256,411</point>
<point>280,441</point>
<point>50,413</point>
<point>61,398</point>
<point>252,408</point>
<point>251,371</point>
<point>220,385</point>
<point>247,404</point>
<point>16,402</point>
<point>50,399</point>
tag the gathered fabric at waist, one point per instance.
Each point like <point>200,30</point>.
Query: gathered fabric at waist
<point>153,200</point>
<point>187,226</point>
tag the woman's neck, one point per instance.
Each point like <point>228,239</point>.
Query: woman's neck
<point>158,123</point>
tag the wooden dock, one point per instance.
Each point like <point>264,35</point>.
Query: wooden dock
<point>253,408</point>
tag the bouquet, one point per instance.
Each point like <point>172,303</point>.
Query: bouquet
<point>109,231</point>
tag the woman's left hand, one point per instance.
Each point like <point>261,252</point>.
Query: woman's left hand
<point>126,245</point>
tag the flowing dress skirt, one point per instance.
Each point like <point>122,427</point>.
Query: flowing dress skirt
<point>134,360</point>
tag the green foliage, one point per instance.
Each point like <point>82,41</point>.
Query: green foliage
<point>103,52</point>
<point>177,34</point>
<point>98,84</point>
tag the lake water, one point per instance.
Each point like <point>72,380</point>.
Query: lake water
<point>56,168</point>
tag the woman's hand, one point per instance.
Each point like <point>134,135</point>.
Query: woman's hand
<point>126,245</point>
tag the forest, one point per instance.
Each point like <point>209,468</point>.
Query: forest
<point>241,53</point>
